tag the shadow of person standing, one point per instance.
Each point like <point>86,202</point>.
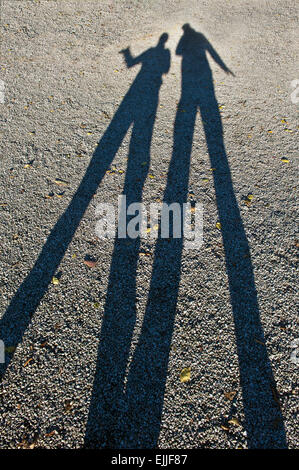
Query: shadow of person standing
<point>147,376</point>
<point>138,109</point>
<point>107,402</point>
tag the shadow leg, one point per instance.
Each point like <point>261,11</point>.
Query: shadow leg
<point>148,372</point>
<point>264,421</point>
<point>23,305</point>
<point>108,402</point>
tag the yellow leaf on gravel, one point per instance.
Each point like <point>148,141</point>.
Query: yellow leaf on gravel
<point>225,428</point>
<point>60,182</point>
<point>185,375</point>
<point>218,225</point>
<point>234,422</point>
<point>55,280</point>
<point>285,160</point>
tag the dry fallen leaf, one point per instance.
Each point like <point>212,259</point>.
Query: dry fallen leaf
<point>185,374</point>
<point>90,263</point>
<point>55,280</point>
<point>218,225</point>
<point>230,395</point>
<point>225,428</point>
<point>68,405</point>
<point>234,422</point>
<point>60,182</point>
<point>28,361</point>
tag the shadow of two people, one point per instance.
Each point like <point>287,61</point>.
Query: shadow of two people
<point>125,411</point>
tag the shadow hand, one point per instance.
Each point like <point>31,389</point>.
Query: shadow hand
<point>229,72</point>
<point>124,51</point>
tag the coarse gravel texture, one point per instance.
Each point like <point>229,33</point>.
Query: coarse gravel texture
<point>98,356</point>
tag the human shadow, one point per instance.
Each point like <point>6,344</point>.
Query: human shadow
<point>138,109</point>
<point>147,375</point>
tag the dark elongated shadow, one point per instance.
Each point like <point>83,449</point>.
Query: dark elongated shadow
<point>138,108</point>
<point>120,306</point>
<point>147,376</point>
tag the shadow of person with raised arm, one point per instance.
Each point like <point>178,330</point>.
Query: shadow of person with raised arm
<point>120,306</point>
<point>147,376</point>
<point>138,108</point>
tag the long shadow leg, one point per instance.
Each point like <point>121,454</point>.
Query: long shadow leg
<point>108,401</point>
<point>18,315</point>
<point>147,375</point>
<point>264,421</point>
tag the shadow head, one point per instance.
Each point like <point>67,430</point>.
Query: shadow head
<point>163,38</point>
<point>186,27</point>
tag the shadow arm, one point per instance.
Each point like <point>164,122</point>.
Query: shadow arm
<point>218,59</point>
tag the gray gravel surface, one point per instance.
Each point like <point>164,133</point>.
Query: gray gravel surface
<point>95,360</point>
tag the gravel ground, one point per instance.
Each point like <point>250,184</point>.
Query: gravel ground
<point>95,359</point>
